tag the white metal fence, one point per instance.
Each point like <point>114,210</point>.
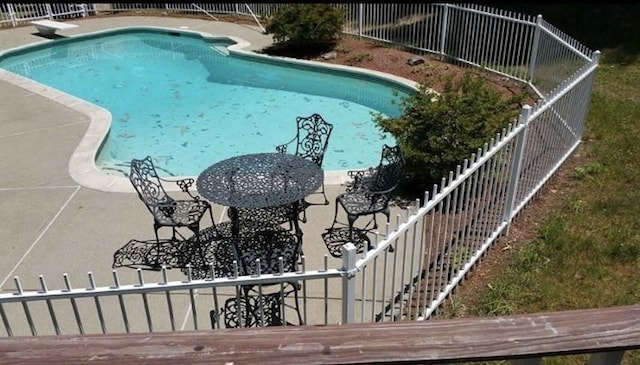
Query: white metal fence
<point>428,251</point>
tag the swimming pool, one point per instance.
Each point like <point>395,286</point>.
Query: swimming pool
<point>188,102</point>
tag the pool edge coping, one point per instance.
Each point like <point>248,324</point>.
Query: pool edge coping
<point>82,167</point>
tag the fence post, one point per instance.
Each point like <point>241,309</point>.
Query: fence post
<point>516,165</point>
<point>49,11</point>
<point>595,57</point>
<point>533,58</point>
<point>12,14</point>
<point>360,18</point>
<point>443,31</point>
<point>348,282</point>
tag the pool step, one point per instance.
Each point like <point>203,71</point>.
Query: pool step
<point>221,50</point>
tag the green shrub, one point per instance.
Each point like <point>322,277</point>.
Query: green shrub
<point>438,131</point>
<point>300,25</point>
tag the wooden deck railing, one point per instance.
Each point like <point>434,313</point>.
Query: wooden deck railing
<point>607,333</point>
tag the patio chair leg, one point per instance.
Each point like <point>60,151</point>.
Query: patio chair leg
<point>214,318</point>
<point>300,207</point>
<point>324,196</point>
<point>352,220</point>
<point>326,201</point>
<point>375,221</point>
<point>335,216</point>
<point>213,223</point>
<point>388,215</point>
<point>247,320</point>
<point>297,304</point>
<point>198,243</point>
<point>303,207</point>
<point>157,263</point>
<point>173,233</point>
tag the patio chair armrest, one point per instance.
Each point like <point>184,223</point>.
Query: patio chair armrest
<point>283,147</point>
<point>356,174</point>
<point>359,178</point>
<point>184,185</point>
<point>382,192</point>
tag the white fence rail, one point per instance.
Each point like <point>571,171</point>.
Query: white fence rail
<point>431,249</point>
<point>17,14</point>
<point>165,305</point>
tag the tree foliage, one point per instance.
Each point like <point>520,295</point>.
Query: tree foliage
<point>438,131</point>
<point>300,25</point>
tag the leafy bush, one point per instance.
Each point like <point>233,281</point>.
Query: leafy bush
<point>438,131</point>
<point>300,25</point>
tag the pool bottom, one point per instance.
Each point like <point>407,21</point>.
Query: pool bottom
<point>82,164</point>
<point>199,116</point>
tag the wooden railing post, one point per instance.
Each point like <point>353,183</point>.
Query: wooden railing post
<point>348,283</point>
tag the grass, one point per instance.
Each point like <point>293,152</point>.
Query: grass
<point>587,251</point>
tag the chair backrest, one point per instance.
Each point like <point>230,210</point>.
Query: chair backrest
<point>312,137</point>
<point>253,310</point>
<point>389,170</point>
<point>145,180</point>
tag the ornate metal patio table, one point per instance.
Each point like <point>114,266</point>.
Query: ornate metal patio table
<point>259,180</point>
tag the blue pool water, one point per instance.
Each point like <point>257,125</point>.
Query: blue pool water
<point>186,102</point>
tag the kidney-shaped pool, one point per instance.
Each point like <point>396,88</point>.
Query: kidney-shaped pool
<point>188,102</point>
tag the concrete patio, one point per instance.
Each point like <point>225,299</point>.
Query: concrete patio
<point>51,223</point>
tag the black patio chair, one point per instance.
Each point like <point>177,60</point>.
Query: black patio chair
<point>265,252</point>
<point>256,310</point>
<point>218,257</point>
<point>370,190</point>
<point>268,246</point>
<point>167,211</point>
<point>311,141</point>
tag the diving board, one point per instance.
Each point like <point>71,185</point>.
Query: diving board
<point>49,27</point>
